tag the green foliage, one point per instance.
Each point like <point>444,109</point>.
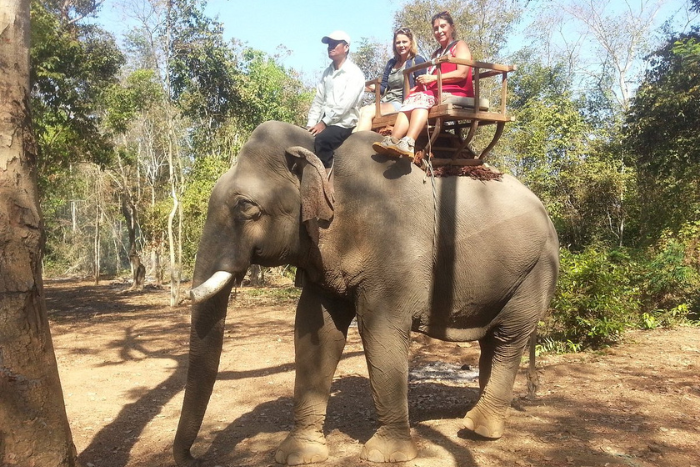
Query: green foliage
<point>142,52</point>
<point>65,232</point>
<point>596,298</point>
<point>126,100</point>
<point>218,94</point>
<point>276,294</point>
<point>662,138</point>
<point>154,220</point>
<point>72,66</point>
<point>202,75</point>
<point>548,135</point>
<point>664,117</point>
<point>590,202</point>
<point>205,172</point>
<point>551,149</point>
<point>672,280</point>
<point>550,345</point>
<point>269,91</point>
<point>688,50</point>
<point>557,149</point>
<point>603,291</point>
<point>534,80</point>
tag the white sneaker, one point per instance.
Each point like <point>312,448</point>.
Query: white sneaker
<point>385,145</point>
<point>405,147</point>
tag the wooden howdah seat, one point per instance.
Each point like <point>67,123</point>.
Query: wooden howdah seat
<point>452,124</point>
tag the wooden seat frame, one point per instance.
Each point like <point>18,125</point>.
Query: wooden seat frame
<point>447,120</point>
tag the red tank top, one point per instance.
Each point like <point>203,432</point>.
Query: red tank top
<point>463,88</point>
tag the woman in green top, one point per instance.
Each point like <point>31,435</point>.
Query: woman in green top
<point>392,85</point>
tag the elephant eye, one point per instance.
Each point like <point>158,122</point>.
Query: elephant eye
<point>247,209</point>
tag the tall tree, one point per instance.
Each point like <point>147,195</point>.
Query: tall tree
<point>33,424</point>
<point>662,138</point>
<point>72,11</point>
<point>602,41</point>
<point>268,91</point>
<point>72,67</point>
<point>128,102</point>
<point>371,56</point>
<point>554,149</point>
<point>201,70</point>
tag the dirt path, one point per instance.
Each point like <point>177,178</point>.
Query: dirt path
<point>122,359</point>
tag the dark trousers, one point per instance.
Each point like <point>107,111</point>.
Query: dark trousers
<point>328,141</point>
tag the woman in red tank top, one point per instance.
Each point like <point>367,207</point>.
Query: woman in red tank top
<point>456,81</point>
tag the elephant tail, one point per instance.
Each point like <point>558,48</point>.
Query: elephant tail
<point>533,379</point>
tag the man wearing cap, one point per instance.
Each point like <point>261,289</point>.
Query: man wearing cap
<point>335,109</point>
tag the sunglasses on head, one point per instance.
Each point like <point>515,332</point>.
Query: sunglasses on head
<point>404,31</point>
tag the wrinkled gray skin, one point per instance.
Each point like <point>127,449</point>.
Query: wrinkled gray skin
<point>489,278</point>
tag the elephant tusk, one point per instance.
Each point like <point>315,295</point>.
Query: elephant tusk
<point>211,286</point>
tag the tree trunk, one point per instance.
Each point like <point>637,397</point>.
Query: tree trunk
<point>138,270</point>
<point>33,424</point>
<point>257,276</point>
<point>117,258</point>
<point>97,245</point>
<point>174,265</point>
<point>156,254</point>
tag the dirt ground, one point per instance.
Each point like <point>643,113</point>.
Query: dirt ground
<point>122,359</point>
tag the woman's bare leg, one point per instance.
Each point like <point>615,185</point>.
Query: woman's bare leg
<point>368,112</point>
<point>386,108</point>
<point>366,115</point>
<point>419,117</point>
<point>401,126</point>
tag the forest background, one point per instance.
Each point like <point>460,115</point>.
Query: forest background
<point>133,133</point>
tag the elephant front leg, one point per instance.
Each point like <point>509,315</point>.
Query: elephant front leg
<point>319,337</point>
<point>386,346</point>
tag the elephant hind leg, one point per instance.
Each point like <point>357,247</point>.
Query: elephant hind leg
<point>498,367</point>
<point>503,346</point>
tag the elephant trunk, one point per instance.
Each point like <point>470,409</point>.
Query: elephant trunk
<point>206,341</point>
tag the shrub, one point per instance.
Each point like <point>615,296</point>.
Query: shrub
<point>601,292</point>
<point>596,298</point>
<point>671,281</point>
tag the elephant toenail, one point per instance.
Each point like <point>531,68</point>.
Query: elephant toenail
<point>469,424</point>
<point>375,456</point>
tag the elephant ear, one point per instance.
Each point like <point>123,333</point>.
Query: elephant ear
<point>317,196</point>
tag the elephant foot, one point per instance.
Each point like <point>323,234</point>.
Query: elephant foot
<point>389,447</point>
<point>302,447</point>
<point>487,426</point>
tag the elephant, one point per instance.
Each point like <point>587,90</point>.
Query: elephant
<point>454,258</point>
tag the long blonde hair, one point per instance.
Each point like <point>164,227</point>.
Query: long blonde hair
<point>412,51</point>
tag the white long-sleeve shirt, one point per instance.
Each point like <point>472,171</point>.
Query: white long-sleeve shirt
<point>338,96</point>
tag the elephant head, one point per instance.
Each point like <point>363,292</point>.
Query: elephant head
<point>265,210</point>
